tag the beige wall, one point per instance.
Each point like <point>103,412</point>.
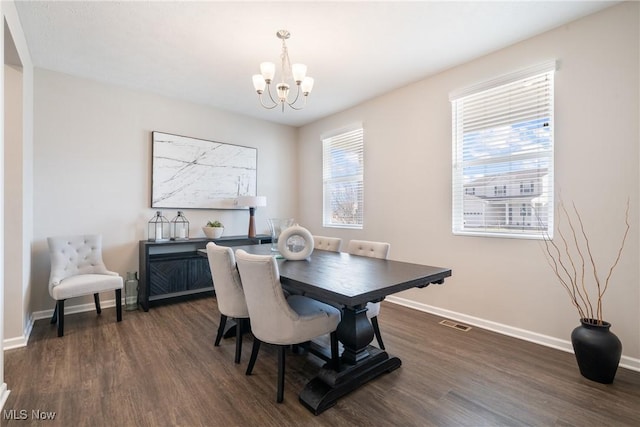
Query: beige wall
<point>93,167</point>
<point>505,284</point>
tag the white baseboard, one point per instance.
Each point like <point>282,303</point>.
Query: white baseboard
<point>80,308</point>
<point>4,394</point>
<point>21,341</point>
<point>564,345</point>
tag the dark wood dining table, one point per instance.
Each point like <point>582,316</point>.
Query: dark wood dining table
<point>349,281</point>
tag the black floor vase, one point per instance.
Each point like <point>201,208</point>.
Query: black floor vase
<point>597,350</point>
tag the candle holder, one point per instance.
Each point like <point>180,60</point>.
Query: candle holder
<point>158,228</point>
<point>179,227</point>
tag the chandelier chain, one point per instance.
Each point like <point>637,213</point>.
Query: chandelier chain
<point>286,63</point>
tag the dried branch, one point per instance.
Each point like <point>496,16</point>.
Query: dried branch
<point>587,301</point>
<point>564,264</point>
<point>559,267</point>
<point>606,283</point>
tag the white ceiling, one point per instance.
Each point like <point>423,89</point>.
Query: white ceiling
<point>206,52</point>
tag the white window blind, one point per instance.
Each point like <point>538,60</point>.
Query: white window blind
<point>503,156</point>
<point>343,179</point>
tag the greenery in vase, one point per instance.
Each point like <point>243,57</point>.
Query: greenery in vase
<point>214,224</point>
<point>572,257</point>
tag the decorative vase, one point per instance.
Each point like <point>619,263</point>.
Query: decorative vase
<point>131,291</point>
<point>597,350</point>
<point>277,226</point>
<point>295,243</point>
<point>213,232</point>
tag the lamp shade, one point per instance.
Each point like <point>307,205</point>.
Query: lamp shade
<point>258,83</point>
<point>307,85</point>
<point>251,201</point>
<point>268,70</point>
<point>299,72</point>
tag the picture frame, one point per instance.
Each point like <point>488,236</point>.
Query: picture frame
<point>193,173</point>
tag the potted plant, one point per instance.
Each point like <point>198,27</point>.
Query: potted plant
<point>213,229</point>
<point>596,348</point>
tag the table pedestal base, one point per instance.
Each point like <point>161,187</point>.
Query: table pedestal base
<point>323,391</point>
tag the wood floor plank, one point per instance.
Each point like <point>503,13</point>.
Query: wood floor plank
<point>160,368</point>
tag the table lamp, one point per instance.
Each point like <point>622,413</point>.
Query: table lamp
<point>252,202</point>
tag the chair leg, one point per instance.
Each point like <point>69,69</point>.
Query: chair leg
<point>335,356</point>
<point>60,307</point>
<point>376,330</point>
<point>254,355</point>
<point>54,318</point>
<point>239,331</point>
<point>96,299</point>
<point>281,352</point>
<point>223,323</point>
<point>119,305</point>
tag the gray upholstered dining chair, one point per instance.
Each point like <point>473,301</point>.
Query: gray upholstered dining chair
<point>229,293</point>
<point>279,320</point>
<point>373,250</point>
<point>77,270</point>
<point>324,243</point>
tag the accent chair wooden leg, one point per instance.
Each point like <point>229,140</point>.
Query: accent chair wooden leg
<point>223,323</point>
<point>119,305</point>
<point>254,355</point>
<point>96,299</point>
<point>239,331</point>
<point>54,318</point>
<point>281,352</point>
<point>376,330</point>
<point>60,307</point>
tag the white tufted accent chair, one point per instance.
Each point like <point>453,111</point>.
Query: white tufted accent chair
<point>279,320</point>
<point>229,293</point>
<point>373,250</point>
<point>324,243</point>
<point>77,269</point>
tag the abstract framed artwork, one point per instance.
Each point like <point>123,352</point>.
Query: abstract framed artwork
<point>199,174</point>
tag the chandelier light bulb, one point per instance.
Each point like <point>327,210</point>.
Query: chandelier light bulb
<point>268,70</point>
<point>307,85</point>
<point>283,91</point>
<point>259,83</point>
<point>299,72</point>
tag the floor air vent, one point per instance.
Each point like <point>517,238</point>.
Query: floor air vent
<point>454,325</point>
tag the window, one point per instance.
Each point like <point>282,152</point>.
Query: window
<point>343,179</point>
<point>503,156</point>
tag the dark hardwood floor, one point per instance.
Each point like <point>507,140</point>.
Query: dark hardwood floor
<point>161,369</point>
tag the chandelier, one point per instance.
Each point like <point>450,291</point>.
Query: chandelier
<point>296,73</point>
